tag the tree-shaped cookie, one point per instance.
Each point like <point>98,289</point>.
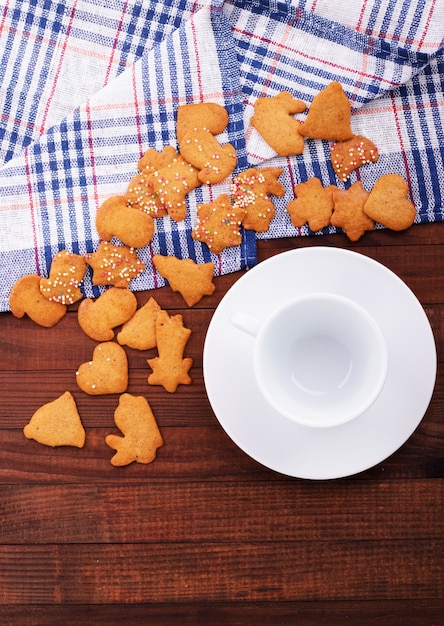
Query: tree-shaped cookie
<point>313,203</point>
<point>192,280</point>
<point>170,369</point>
<point>141,435</point>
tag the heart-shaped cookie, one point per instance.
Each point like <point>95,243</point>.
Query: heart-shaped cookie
<point>388,203</point>
<point>107,372</point>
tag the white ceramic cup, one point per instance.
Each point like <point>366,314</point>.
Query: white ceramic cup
<point>320,360</point>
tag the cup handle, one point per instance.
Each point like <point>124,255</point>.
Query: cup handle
<point>245,322</point>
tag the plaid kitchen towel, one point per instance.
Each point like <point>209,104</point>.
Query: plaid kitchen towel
<point>49,194</point>
<point>389,58</point>
<point>86,89</point>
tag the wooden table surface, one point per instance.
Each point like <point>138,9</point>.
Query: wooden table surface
<point>206,535</point>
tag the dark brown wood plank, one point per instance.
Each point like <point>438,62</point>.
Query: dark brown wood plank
<point>320,613</point>
<point>206,511</point>
<point>189,453</point>
<point>264,571</point>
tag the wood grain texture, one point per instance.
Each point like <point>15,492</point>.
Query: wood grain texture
<point>205,534</point>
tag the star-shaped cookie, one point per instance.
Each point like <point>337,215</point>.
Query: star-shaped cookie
<point>348,211</point>
<point>313,203</point>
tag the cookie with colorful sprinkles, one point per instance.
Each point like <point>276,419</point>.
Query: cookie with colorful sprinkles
<point>167,187</point>
<point>219,224</point>
<point>348,156</point>
<point>65,276</point>
<point>214,161</point>
<point>140,193</point>
<point>251,190</point>
<point>114,265</point>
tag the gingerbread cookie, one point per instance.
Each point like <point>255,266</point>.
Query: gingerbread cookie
<point>348,156</point>
<point>388,203</point>
<point>251,190</point>
<point>57,423</point>
<point>114,265</point>
<point>328,116</point>
<point>313,203</point>
<point>170,369</point>
<point>192,280</point>
<point>348,211</point>
<point>214,161</point>
<point>98,318</point>
<point>65,275</point>
<point>208,116</point>
<point>139,332</point>
<point>141,435</point>
<point>219,224</point>
<point>153,159</point>
<point>168,187</point>
<point>141,193</point>
<point>106,373</point>
<point>274,122</point>
<point>27,299</point>
<point>115,218</point>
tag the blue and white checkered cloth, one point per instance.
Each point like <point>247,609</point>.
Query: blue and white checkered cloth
<point>85,89</point>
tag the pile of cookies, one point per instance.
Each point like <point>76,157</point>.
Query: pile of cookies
<point>355,210</point>
<point>159,189</point>
<point>45,301</point>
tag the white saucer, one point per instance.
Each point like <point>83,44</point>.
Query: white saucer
<point>315,453</point>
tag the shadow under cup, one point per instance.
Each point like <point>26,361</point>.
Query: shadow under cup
<point>320,360</point>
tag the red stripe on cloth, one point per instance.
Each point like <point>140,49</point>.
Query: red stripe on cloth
<point>116,40</point>
<point>196,49</point>
<point>361,15</point>
<point>5,12</point>
<point>427,24</point>
<point>61,58</point>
